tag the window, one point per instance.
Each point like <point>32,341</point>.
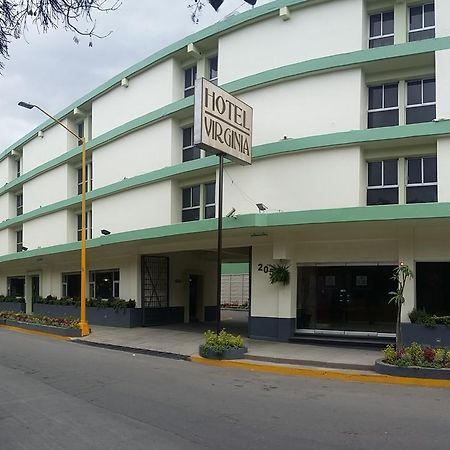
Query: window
<point>189,151</point>
<point>421,184</point>
<point>104,283</point>
<point>190,75</point>
<point>382,182</point>
<point>421,101</point>
<point>213,69</point>
<point>18,167</point>
<point>381,29</point>
<point>88,225</point>
<point>421,22</point>
<point>89,175</point>
<point>19,240</point>
<point>383,106</point>
<point>19,204</point>
<point>71,285</point>
<point>210,200</point>
<point>16,287</point>
<point>191,204</point>
<point>80,132</point>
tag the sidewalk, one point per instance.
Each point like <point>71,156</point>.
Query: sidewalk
<point>185,343</point>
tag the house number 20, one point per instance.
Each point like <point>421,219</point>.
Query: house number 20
<point>263,268</point>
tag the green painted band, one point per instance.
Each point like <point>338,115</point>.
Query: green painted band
<point>252,221</point>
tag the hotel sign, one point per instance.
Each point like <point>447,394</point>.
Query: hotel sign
<point>222,123</point>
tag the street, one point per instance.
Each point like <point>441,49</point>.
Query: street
<point>62,395</point>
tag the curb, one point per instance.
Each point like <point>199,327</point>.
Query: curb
<point>35,332</point>
<point>324,374</point>
<point>141,351</point>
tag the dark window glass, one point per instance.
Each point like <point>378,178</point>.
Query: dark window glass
<point>213,68</point>
<point>390,95</point>
<point>188,137</point>
<point>415,17</point>
<point>18,167</point>
<point>374,173</point>
<point>432,287</point>
<point>420,114</point>
<point>73,282</point>
<point>428,19</point>
<point>429,91</point>
<point>19,240</point>
<point>414,170</point>
<point>390,172</point>
<point>375,25</point>
<point>421,194</point>
<point>16,287</point>
<point>195,195</point>
<point>388,22</point>
<point>380,119</point>
<point>191,153</point>
<point>430,170</point>
<point>210,193</point>
<point>104,284</point>
<point>414,92</point>
<point>210,212</point>
<point>186,198</point>
<point>375,97</point>
<point>19,204</point>
<point>188,215</point>
<point>385,196</point>
<point>189,80</point>
<point>381,42</point>
<point>421,35</point>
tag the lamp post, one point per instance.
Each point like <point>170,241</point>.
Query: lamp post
<point>84,326</point>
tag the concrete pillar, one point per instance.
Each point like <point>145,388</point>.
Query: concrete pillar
<point>28,295</point>
<point>406,255</point>
<point>400,22</point>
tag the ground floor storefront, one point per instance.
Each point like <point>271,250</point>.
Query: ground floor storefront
<point>340,277</point>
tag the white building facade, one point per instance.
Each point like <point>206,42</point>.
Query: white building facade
<point>351,155</point>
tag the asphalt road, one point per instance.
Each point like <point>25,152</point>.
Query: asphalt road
<point>62,395</point>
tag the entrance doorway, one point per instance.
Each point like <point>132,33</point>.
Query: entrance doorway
<point>345,298</point>
<point>195,292</point>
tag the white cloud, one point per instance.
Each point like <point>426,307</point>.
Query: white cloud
<point>52,71</point>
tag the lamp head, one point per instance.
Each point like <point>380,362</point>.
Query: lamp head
<point>105,232</point>
<point>26,105</point>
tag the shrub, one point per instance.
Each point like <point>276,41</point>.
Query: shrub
<point>66,322</point>
<point>418,356</point>
<point>11,299</point>
<point>421,317</point>
<point>116,303</point>
<point>221,342</point>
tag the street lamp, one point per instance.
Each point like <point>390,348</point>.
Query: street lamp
<point>84,326</point>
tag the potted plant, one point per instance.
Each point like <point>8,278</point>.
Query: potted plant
<point>279,273</point>
<point>222,346</point>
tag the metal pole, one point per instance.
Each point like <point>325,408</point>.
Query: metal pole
<point>219,242</point>
<point>83,323</point>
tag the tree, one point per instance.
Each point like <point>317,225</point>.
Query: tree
<point>198,5</point>
<point>402,273</point>
<point>15,15</point>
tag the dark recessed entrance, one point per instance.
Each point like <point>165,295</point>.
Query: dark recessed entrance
<point>345,298</point>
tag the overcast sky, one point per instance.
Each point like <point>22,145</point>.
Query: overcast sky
<point>52,71</point>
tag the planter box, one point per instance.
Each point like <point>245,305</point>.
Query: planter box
<point>69,332</point>
<point>12,306</point>
<point>411,372</point>
<point>439,336</point>
<point>126,318</point>
<point>234,353</point>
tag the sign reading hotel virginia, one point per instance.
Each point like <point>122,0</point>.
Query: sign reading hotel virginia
<point>222,123</point>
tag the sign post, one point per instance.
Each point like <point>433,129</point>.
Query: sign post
<point>222,126</point>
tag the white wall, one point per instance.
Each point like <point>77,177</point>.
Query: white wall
<point>312,32</point>
<point>7,170</point>
<point>138,153</point>
<point>146,92</point>
<point>442,13</point>
<point>48,188</point>
<point>302,181</point>
<point>46,231</point>
<point>139,208</point>
<point>7,206</point>
<point>443,161</point>
<point>443,84</point>
<point>322,104</point>
<point>40,150</point>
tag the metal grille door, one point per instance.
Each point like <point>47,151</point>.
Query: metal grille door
<point>155,282</point>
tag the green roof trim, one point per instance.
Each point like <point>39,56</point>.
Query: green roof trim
<point>255,221</point>
<point>347,138</point>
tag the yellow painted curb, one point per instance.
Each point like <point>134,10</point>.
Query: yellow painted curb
<point>35,332</point>
<point>323,373</point>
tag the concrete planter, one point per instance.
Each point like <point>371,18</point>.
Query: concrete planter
<point>233,353</point>
<point>69,332</point>
<point>125,318</point>
<point>438,336</point>
<point>411,372</point>
<point>12,306</point>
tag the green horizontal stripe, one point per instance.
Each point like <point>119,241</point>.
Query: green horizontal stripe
<point>255,221</point>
